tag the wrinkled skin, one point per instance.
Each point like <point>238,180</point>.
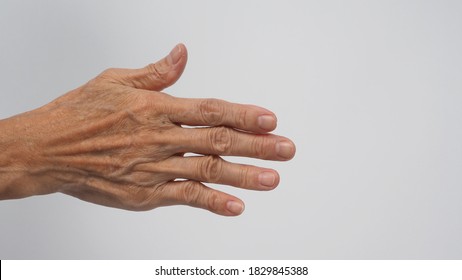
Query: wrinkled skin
<point>118,141</point>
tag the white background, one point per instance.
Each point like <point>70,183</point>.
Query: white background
<point>370,92</point>
<point>317,269</point>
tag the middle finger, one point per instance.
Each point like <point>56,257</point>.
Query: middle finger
<point>226,141</point>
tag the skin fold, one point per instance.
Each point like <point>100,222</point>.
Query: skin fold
<point>119,141</point>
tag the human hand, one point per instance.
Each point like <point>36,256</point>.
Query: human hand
<point>118,141</point>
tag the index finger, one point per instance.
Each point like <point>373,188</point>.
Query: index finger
<point>215,112</point>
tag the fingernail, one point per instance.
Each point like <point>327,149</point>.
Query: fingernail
<point>267,122</point>
<point>235,207</point>
<point>285,149</point>
<point>175,55</point>
<point>267,179</point>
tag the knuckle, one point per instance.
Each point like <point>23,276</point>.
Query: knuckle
<point>155,71</point>
<point>220,140</point>
<point>241,118</point>
<point>191,193</point>
<point>211,111</point>
<point>213,202</point>
<point>138,199</point>
<point>245,178</point>
<point>142,105</point>
<point>260,145</point>
<point>112,75</point>
<point>211,169</point>
<point>108,73</point>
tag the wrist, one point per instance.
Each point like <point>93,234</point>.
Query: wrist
<point>21,173</point>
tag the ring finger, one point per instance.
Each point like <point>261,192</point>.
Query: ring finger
<point>213,169</point>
